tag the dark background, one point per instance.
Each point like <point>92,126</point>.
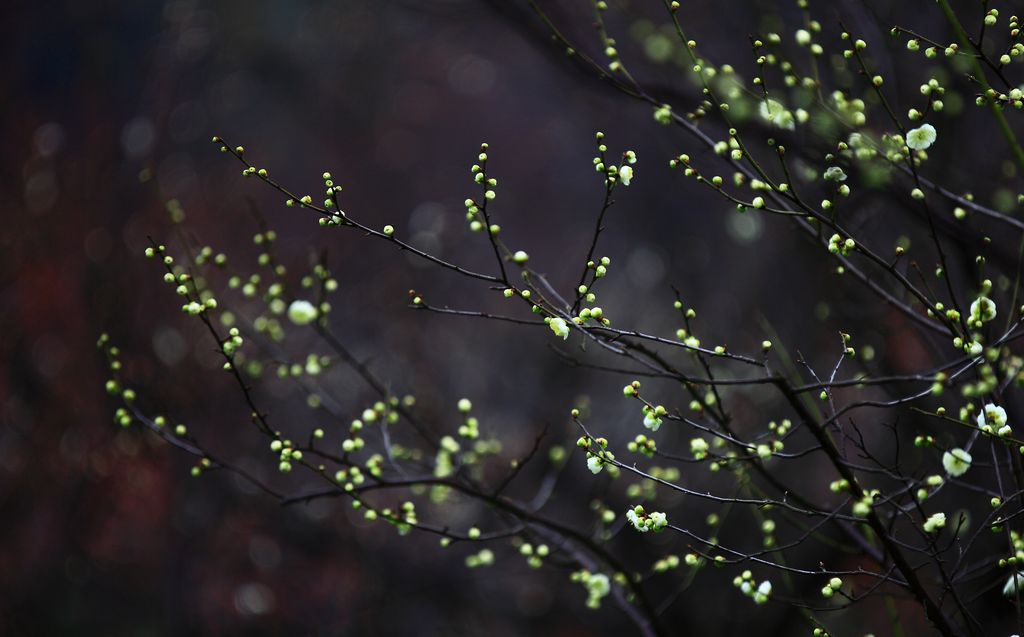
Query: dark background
<point>108,109</point>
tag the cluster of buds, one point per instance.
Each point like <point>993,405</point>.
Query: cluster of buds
<point>759,592</point>
<point>642,521</point>
<point>836,245</point>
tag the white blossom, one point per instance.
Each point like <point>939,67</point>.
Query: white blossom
<point>559,327</point>
<point>302,312</point>
<point>934,522</point>
<point>776,113</point>
<point>634,519</point>
<point>625,175</point>
<point>651,420</point>
<point>993,419</point>
<point>956,462</point>
<point>921,137</point>
<point>763,592</point>
<point>658,519</point>
<point>835,173</point>
<point>644,522</point>
<point>983,309</point>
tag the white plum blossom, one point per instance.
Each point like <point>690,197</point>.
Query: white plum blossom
<point>559,327</point>
<point>652,419</point>
<point>835,173</point>
<point>655,521</point>
<point>934,522</point>
<point>302,312</point>
<point>625,175</point>
<point>983,309</point>
<point>764,590</point>
<point>993,419</point>
<point>594,464</point>
<point>746,583</point>
<point>956,462</point>
<point>922,137</point>
<point>774,112</point>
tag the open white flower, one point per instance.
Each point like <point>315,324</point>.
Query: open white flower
<point>644,522</point>
<point>625,175</point>
<point>835,173</point>
<point>992,419</point>
<point>302,312</point>
<point>594,464</point>
<point>934,522</point>
<point>983,309</point>
<point>921,137</point>
<point>559,327</point>
<point>776,113</point>
<point>657,520</point>
<point>635,520</point>
<point>651,420</point>
<point>956,462</point>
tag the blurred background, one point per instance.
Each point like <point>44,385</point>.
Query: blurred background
<point>108,112</point>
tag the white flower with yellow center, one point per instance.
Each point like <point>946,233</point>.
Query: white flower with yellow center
<point>956,462</point>
<point>922,137</point>
<point>992,419</point>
